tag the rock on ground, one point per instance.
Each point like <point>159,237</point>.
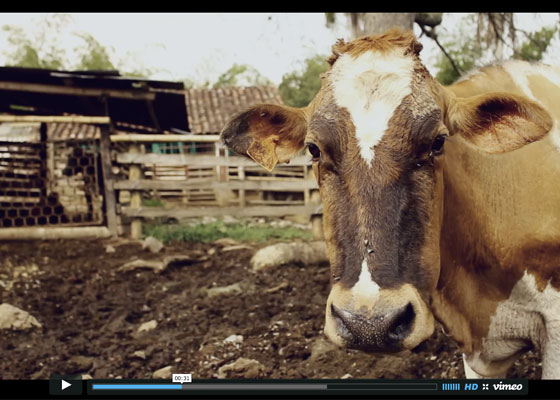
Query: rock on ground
<point>14,318</point>
<point>287,253</point>
<point>152,244</point>
<point>162,373</point>
<point>148,326</point>
<point>242,368</point>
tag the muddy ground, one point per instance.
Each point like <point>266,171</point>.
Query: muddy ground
<point>91,313</point>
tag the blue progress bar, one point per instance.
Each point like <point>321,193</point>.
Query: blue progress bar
<point>103,386</point>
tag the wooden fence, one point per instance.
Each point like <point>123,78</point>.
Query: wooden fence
<point>239,185</point>
<point>190,184</point>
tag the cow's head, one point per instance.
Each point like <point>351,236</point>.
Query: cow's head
<point>376,132</point>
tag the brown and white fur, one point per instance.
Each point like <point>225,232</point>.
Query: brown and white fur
<point>466,233</point>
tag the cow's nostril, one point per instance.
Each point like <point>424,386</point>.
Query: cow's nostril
<point>402,323</point>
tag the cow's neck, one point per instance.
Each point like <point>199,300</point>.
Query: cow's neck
<point>488,206</point>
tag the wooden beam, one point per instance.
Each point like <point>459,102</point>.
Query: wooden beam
<point>106,169</point>
<point>55,89</point>
<point>136,137</point>
<point>193,212</point>
<point>280,186</point>
<point>195,160</point>
<point>134,174</point>
<point>55,118</point>
<point>35,233</point>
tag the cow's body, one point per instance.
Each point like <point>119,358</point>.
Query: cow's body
<point>469,235</point>
<point>500,269</point>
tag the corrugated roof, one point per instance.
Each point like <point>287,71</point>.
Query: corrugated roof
<point>208,110</point>
<point>72,131</point>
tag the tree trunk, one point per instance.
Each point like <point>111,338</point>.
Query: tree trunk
<point>376,23</point>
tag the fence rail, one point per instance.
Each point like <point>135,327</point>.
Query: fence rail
<point>280,186</point>
<point>240,180</point>
<point>197,160</point>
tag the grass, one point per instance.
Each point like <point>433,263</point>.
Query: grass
<point>240,231</point>
<point>153,202</point>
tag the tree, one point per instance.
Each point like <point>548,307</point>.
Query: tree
<point>375,23</point>
<point>495,38</point>
<point>94,56</point>
<point>298,88</point>
<point>42,49</point>
<point>536,44</point>
<point>37,51</point>
<point>241,75</point>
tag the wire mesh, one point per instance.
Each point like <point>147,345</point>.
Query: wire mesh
<point>47,183</point>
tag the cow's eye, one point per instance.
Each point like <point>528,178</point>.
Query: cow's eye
<point>437,145</point>
<point>314,150</point>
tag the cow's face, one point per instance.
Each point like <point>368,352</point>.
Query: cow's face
<point>376,132</point>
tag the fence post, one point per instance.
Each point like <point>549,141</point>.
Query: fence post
<point>241,172</point>
<point>135,173</point>
<point>107,171</point>
<point>316,219</point>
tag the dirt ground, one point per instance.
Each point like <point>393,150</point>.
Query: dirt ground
<point>91,313</point>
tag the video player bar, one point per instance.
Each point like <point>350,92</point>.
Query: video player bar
<point>507,387</point>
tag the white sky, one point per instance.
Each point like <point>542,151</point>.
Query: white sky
<point>202,46</point>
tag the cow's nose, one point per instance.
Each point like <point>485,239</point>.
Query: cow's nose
<point>382,332</point>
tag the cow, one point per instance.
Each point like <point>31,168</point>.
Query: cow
<point>439,203</point>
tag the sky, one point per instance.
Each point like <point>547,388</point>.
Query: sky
<point>201,46</point>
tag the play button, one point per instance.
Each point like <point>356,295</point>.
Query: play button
<point>65,384</point>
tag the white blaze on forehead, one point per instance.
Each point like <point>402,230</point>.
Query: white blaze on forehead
<point>366,286</point>
<point>371,87</point>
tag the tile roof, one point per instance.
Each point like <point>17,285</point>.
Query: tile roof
<point>208,110</point>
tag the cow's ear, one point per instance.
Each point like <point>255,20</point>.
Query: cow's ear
<point>267,133</point>
<point>498,122</point>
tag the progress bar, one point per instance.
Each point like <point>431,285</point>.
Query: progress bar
<point>136,386</point>
<point>267,386</point>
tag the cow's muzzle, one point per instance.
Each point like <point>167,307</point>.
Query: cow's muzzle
<point>392,321</point>
<point>381,333</point>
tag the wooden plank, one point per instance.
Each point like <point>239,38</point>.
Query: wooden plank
<point>196,160</point>
<point>78,119</point>
<point>276,202</point>
<point>35,233</point>
<point>127,138</point>
<point>242,200</point>
<point>16,199</point>
<point>109,191</point>
<point>76,91</point>
<point>280,186</point>
<point>193,212</point>
<point>134,174</point>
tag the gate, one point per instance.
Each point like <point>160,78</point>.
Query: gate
<point>51,176</point>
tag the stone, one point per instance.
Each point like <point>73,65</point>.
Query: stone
<point>139,354</point>
<point>80,363</point>
<point>152,244</point>
<point>224,290</point>
<point>236,247</point>
<point>234,339</point>
<point>14,318</point>
<point>305,253</point>
<point>242,368</point>
<point>321,347</point>
<point>163,373</point>
<point>148,326</point>
<point>226,242</point>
